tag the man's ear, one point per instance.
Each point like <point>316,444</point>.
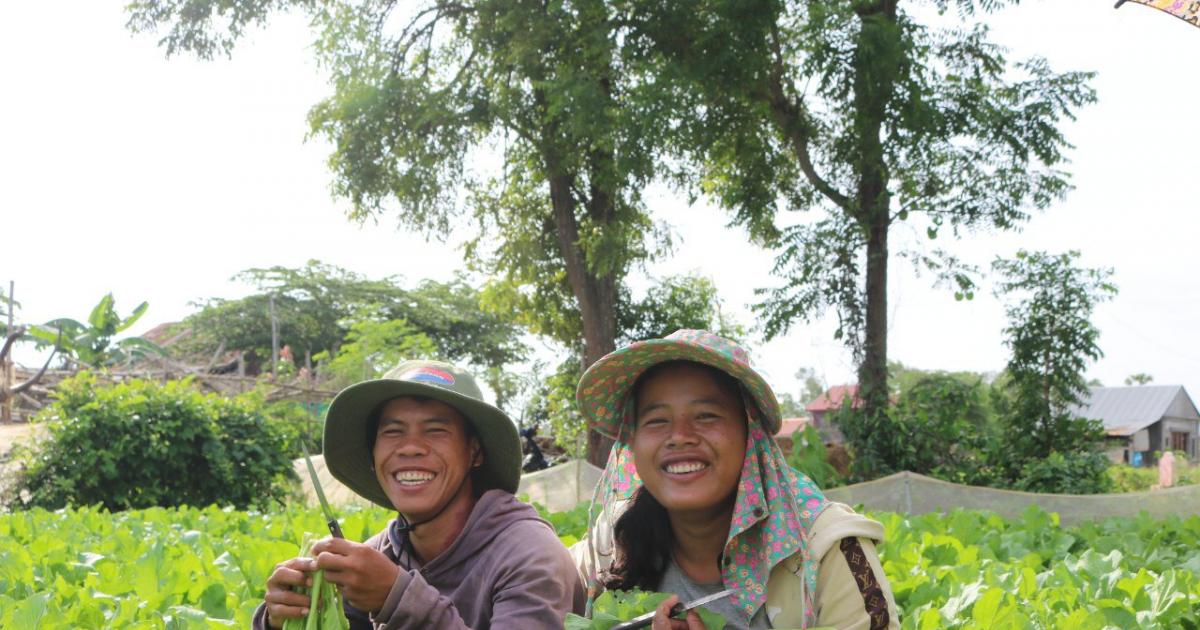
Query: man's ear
<point>476,453</point>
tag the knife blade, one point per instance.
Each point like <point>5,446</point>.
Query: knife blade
<point>641,621</point>
<point>331,520</point>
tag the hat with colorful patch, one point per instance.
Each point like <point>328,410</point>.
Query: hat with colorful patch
<point>347,445</point>
<point>604,389</point>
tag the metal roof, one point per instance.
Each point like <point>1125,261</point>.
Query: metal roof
<point>1127,410</point>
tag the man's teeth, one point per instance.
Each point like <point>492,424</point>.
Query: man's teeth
<point>413,476</point>
<point>685,467</point>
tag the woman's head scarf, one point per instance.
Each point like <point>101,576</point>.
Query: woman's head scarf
<point>775,505</point>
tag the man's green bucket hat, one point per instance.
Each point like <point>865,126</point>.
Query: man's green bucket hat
<point>347,445</point>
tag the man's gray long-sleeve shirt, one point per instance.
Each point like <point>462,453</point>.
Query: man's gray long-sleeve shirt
<point>505,570</point>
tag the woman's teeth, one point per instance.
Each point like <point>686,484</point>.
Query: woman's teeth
<point>680,468</point>
<point>413,477</point>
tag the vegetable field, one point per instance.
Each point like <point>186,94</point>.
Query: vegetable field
<point>206,568</point>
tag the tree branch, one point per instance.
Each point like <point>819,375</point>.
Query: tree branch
<point>793,121</point>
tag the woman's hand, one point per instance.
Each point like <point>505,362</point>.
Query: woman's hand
<point>282,601</point>
<point>664,621</point>
<point>365,575</point>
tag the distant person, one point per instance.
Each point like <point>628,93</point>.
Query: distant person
<point>462,552</point>
<point>1166,470</point>
<point>697,497</point>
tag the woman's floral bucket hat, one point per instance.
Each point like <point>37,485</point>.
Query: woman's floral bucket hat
<point>603,391</point>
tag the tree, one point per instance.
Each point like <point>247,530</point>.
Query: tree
<point>1050,304</point>
<point>856,108</point>
<point>814,386</point>
<point>673,303</point>
<point>93,343</point>
<point>560,220</point>
<point>318,306</point>
<point>371,347</point>
<point>1141,378</point>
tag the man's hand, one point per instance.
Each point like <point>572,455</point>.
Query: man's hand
<point>664,621</point>
<point>365,574</point>
<point>282,601</point>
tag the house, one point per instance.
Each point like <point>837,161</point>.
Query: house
<point>830,401</point>
<point>786,429</point>
<point>1144,419</point>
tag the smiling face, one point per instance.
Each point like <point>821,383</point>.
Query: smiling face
<point>690,438</point>
<point>423,454</point>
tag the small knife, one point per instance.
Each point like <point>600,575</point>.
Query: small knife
<point>312,473</point>
<point>641,621</point>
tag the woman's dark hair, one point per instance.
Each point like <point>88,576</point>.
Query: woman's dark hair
<point>643,533</point>
<point>644,541</point>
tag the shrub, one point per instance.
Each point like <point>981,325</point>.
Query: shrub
<point>1074,473</point>
<point>141,444</point>
<point>810,457</point>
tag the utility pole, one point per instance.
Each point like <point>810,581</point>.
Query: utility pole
<point>6,365</point>
<point>274,337</point>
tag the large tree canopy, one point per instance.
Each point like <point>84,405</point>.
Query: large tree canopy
<point>319,307</point>
<point>426,97</point>
<point>869,113</point>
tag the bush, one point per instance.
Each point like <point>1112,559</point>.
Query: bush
<point>1075,473</point>
<point>938,427</point>
<point>141,444</point>
<point>1126,478</point>
<point>810,457</point>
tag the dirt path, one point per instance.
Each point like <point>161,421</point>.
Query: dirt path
<point>10,434</point>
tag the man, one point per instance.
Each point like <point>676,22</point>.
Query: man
<point>462,552</point>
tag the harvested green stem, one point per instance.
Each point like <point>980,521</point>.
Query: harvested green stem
<point>325,610</point>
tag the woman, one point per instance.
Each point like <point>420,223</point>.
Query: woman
<point>697,497</point>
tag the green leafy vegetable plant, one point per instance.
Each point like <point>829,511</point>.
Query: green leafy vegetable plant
<point>613,607</point>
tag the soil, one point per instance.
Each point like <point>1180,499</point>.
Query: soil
<point>10,434</point>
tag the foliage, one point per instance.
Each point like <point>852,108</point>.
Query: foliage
<point>571,525</point>
<point>372,346</point>
<point>421,91</point>
<point>613,607</point>
<point>552,406</point>
<point>975,570</point>
<point>865,113</point>
<point>673,303</point>
<point>810,457</point>
<point>940,426</point>
<point>1141,378</point>
<point>1129,479</point>
<point>1073,473</point>
<point>182,567</point>
<point>140,443</point>
<point>1052,339</point>
<point>207,567</point>
<point>294,422</point>
<point>93,343</point>
<point>318,305</point>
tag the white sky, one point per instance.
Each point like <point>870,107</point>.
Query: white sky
<point>159,179</point>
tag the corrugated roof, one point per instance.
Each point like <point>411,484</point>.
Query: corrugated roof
<point>1127,410</point>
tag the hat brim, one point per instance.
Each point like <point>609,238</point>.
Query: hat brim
<point>606,384</point>
<point>349,458</point>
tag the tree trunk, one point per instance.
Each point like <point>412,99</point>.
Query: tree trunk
<point>874,83</point>
<point>596,295</point>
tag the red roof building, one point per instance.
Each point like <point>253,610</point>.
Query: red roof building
<point>832,400</point>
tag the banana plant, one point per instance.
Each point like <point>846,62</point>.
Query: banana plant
<point>93,343</point>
